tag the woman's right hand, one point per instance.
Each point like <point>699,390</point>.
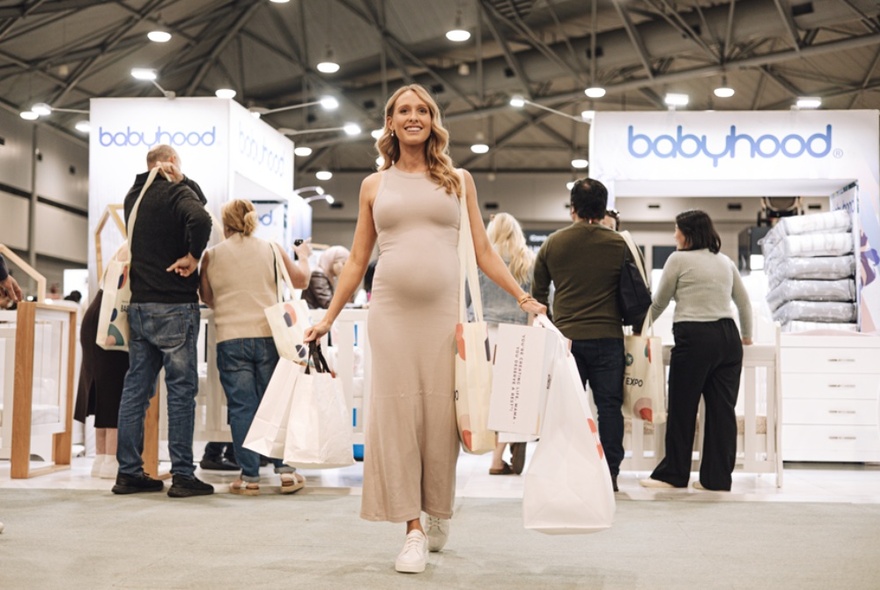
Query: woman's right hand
<point>316,332</point>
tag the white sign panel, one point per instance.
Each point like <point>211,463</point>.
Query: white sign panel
<point>736,145</point>
<point>218,141</point>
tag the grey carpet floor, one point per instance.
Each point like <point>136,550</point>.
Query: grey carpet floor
<point>87,539</point>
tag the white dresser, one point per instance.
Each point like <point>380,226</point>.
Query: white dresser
<point>830,397</point>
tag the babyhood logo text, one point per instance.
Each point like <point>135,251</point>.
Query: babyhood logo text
<point>135,138</point>
<point>691,145</point>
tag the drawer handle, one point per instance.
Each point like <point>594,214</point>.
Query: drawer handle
<point>842,438</point>
<point>841,411</point>
<point>841,386</point>
<point>841,360</point>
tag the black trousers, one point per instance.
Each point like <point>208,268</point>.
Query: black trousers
<point>706,360</point>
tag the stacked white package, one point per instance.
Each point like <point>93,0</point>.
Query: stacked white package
<point>810,268</point>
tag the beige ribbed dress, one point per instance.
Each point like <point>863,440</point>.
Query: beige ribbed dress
<point>411,438</point>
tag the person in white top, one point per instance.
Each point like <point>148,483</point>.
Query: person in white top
<point>238,283</point>
<point>707,357</point>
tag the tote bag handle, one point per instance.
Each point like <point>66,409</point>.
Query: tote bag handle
<point>468,260</point>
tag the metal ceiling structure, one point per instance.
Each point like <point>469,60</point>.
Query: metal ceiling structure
<point>64,52</point>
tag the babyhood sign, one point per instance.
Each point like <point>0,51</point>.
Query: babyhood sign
<point>730,144</point>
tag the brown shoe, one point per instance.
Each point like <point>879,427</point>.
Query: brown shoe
<point>505,470</point>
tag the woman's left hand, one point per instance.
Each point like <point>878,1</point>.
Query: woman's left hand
<point>747,341</point>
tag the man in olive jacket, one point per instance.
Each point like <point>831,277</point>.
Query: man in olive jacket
<point>584,261</point>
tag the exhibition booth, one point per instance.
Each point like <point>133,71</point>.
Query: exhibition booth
<point>822,382</point>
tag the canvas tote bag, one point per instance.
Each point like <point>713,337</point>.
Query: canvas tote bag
<point>644,376</point>
<point>319,428</point>
<point>288,319</point>
<point>473,364</point>
<point>567,486</point>
<point>113,329</point>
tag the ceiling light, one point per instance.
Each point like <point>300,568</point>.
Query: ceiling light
<point>595,92</point>
<point>329,65</point>
<point>517,101</point>
<point>323,175</point>
<point>809,102</point>
<point>224,93</point>
<point>464,69</point>
<point>479,148</point>
<point>29,115</point>
<point>83,126</point>
<point>279,1</point>
<point>569,185</point>
<point>42,109</point>
<point>329,103</point>
<point>380,161</point>
<point>676,100</point>
<point>376,133</point>
<point>159,36</point>
<point>144,73</point>
<point>588,115</point>
<point>302,151</point>
<point>458,34</point>
<point>724,92</point>
<point>351,129</point>
<point>579,163</point>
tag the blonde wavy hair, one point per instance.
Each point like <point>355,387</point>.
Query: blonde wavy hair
<point>440,167</point>
<point>506,236</point>
<point>239,216</point>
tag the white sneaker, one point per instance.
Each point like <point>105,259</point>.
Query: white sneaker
<point>654,483</point>
<point>109,468</point>
<point>414,555</point>
<point>438,532</point>
<point>96,465</point>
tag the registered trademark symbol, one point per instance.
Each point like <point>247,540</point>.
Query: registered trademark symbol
<point>837,153</point>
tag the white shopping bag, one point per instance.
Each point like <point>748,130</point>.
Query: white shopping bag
<point>319,428</point>
<point>288,319</point>
<point>473,387</point>
<point>268,430</point>
<point>521,370</point>
<point>568,485</point>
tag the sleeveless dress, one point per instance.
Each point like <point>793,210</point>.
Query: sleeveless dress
<point>411,437</point>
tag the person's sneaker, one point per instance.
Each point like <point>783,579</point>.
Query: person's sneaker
<point>438,532</point>
<point>133,484</point>
<point>654,483</point>
<point>414,555</point>
<point>96,465</point>
<point>183,486</point>
<point>109,468</point>
<point>218,464</point>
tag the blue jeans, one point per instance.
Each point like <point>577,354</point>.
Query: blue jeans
<point>246,366</point>
<point>600,362</point>
<point>162,335</point>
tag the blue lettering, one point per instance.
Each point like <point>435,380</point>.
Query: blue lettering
<point>134,138</point>
<point>261,154</point>
<point>690,145</point>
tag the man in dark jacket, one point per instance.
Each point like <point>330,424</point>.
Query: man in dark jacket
<point>170,233</point>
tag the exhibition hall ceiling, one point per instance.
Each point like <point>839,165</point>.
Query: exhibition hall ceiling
<point>770,52</point>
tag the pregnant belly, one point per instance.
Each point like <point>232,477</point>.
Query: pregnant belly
<point>416,275</point>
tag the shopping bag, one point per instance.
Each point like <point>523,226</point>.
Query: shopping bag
<point>319,429</point>
<point>567,486</point>
<point>288,319</point>
<point>473,387</point>
<point>644,377</point>
<point>521,369</point>
<point>268,431</point>
<point>113,329</point>
<point>473,361</point>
